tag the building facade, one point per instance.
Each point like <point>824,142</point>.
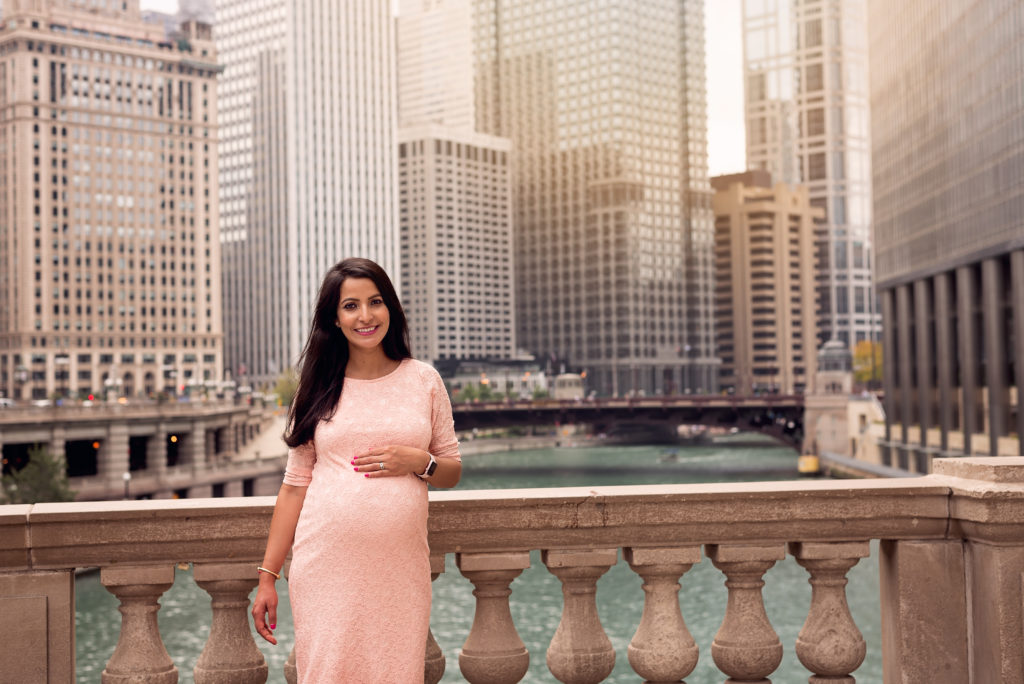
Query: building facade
<point>435,63</point>
<point>604,102</point>
<point>765,324</point>
<point>947,86</point>
<point>455,205</point>
<point>308,165</point>
<point>807,119</point>
<point>108,203</point>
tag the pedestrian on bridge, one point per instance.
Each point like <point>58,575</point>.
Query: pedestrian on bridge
<point>368,428</point>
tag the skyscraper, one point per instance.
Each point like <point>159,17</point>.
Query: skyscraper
<point>805,70</point>
<point>947,94</point>
<point>108,191</point>
<point>764,299</point>
<point>308,174</point>
<point>605,104</point>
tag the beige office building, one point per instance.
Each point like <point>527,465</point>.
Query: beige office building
<point>108,199</point>
<point>765,325</point>
<point>455,194</point>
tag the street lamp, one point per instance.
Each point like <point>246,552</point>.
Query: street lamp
<point>127,479</point>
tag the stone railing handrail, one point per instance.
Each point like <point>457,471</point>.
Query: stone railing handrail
<point>958,534</point>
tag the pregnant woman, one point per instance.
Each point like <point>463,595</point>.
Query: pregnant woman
<point>368,429</point>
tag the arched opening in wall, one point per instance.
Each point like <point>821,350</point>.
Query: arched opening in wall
<point>248,486</point>
<point>128,385</point>
<point>82,457</point>
<point>173,450</point>
<point>149,384</point>
<point>15,456</point>
<point>218,490</point>
<point>218,440</point>
<point>137,452</point>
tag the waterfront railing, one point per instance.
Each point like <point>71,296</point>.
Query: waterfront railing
<point>951,562</point>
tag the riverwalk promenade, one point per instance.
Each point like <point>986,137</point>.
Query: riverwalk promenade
<point>951,559</point>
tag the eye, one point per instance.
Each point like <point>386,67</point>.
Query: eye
<point>348,306</point>
<point>377,302</point>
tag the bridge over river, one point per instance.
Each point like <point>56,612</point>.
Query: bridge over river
<point>778,415</point>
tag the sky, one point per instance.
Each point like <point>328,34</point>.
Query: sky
<point>723,32</point>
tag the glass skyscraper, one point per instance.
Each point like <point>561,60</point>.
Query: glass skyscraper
<point>947,106</point>
<point>604,101</point>
<point>805,69</point>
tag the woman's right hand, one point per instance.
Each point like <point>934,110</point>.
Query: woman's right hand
<point>264,608</point>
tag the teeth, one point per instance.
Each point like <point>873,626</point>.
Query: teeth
<point>366,329</point>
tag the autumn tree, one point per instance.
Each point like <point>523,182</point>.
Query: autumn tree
<point>867,363</point>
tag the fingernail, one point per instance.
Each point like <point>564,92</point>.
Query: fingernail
<point>366,474</point>
<point>273,626</point>
<point>356,469</point>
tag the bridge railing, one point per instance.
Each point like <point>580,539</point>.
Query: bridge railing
<point>951,563</point>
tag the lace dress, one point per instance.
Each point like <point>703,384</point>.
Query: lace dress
<point>359,583</point>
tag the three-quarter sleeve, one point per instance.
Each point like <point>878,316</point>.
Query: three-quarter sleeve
<point>299,470</point>
<point>443,443</point>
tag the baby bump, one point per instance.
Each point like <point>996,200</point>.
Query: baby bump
<point>352,509</point>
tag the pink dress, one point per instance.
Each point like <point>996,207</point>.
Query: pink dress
<point>360,575</point>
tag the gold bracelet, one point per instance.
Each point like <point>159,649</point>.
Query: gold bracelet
<point>260,569</point>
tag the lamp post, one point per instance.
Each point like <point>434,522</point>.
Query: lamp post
<point>127,479</point>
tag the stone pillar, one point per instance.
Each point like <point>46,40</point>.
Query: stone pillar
<point>993,286</point>
<point>580,651</point>
<point>889,369</point>
<point>195,447</point>
<point>38,607</point>
<point>58,443</point>
<point>140,655</point>
<point>434,660</point>
<point>746,647</point>
<point>112,458</point>
<point>493,652</point>
<point>156,452</point>
<point>662,650</point>
<point>904,367</point>
<point>923,602</point>
<point>968,349</point>
<point>829,644</point>
<point>924,341</point>
<point>987,507</point>
<point>945,363</point>
<point>230,655</point>
<point>1017,302</point>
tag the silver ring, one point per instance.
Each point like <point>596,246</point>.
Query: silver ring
<point>381,464</point>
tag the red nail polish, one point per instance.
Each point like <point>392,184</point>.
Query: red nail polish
<point>366,474</point>
<point>273,626</point>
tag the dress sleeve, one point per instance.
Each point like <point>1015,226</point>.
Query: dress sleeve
<point>443,443</point>
<point>299,470</point>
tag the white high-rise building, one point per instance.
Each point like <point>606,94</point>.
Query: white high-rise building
<point>435,63</point>
<point>807,115</point>
<point>308,174</point>
<point>456,195</point>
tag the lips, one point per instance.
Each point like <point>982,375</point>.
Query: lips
<point>366,331</point>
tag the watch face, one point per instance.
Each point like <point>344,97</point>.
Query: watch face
<point>431,467</point>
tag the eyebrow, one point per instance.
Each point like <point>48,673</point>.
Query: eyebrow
<point>356,299</point>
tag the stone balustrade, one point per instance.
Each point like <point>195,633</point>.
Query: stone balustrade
<point>951,575</point>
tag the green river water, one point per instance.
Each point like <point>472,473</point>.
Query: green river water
<point>536,600</point>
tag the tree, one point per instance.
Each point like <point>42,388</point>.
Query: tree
<point>469,392</point>
<point>539,392</point>
<point>42,479</point>
<point>286,385</point>
<point>867,363</point>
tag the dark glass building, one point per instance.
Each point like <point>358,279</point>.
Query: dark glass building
<point>947,112</point>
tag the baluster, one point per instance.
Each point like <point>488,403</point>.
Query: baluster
<point>493,652</point>
<point>434,661</point>
<point>829,644</point>
<point>662,650</point>
<point>291,673</point>
<point>746,647</point>
<point>230,655</point>
<point>140,655</point>
<point>580,651</point>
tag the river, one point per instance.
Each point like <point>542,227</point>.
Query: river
<point>536,600</point>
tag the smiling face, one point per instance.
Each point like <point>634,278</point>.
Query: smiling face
<point>362,315</point>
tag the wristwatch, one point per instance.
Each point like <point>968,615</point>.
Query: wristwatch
<point>431,467</point>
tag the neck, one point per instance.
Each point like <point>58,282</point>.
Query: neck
<point>368,365</point>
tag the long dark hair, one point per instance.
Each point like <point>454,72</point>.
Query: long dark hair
<point>325,355</point>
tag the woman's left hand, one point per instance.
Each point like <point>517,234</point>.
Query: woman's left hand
<point>391,461</point>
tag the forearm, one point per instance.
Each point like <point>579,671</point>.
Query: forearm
<point>282,526</point>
